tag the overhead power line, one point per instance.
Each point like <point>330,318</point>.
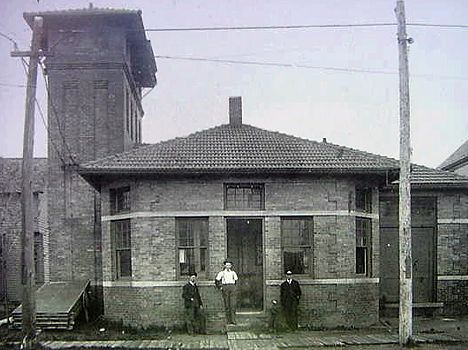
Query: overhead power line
<point>277,64</point>
<point>274,27</point>
<point>41,114</point>
<point>15,44</point>
<point>13,85</point>
<point>302,26</point>
<point>305,66</point>
<point>55,114</point>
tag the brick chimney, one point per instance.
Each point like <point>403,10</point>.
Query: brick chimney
<point>235,111</point>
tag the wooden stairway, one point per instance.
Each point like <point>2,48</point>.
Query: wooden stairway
<point>57,305</point>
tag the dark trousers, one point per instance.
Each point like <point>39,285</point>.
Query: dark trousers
<point>195,320</point>
<point>230,301</point>
<point>290,315</point>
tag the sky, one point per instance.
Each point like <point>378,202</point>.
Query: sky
<point>348,108</point>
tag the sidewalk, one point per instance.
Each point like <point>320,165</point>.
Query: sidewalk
<point>249,341</point>
<point>433,330</point>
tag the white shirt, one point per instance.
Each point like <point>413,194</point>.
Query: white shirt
<point>227,277</point>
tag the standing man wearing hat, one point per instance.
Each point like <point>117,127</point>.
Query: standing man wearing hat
<point>194,315</point>
<point>226,281</point>
<point>290,293</point>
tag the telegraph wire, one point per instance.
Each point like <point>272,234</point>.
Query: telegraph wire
<point>277,64</point>
<point>25,65</point>
<point>305,66</point>
<point>13,85</point>
<point>279,27</point>
<point>301,26</point>
<point>435,25</point>
<point>54,112</point>
<point>304,26</point>
<point>15,44</point>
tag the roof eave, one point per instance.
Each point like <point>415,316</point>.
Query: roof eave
<point>231,171</point>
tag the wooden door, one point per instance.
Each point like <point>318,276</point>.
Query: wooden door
<point>423,229</point>
<point>245,250</point>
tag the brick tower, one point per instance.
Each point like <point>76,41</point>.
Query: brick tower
<point>98,61</point>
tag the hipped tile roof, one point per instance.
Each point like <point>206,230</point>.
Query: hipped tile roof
<point>246,149</point>
<point>240,149</point>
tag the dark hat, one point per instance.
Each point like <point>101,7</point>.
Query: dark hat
<point>193,273</point>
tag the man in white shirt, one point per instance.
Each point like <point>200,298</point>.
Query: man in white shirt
<point>226,281</point>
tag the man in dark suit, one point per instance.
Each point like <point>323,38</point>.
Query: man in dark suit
<point>290,293</point>
<point>193,305</point>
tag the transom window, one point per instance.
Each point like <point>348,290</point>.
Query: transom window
<point>192,238</point>
<point>119,200</point>
<point>363,245</point>
<point>245,196</point>
<point>364,199</point>
<point>122,244</point>
<point>296,238</point>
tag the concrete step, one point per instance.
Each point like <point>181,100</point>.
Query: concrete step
<point>246,321</point>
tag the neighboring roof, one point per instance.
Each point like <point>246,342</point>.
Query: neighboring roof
<point>10,175</point>
<point>427,177</point>
<point>240,149</point>
<point>457,158</point>
<point>144,68</point>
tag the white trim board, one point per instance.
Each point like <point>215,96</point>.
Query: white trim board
<point>452,221</point>
<point>452,278</point>
<point>236,213</point>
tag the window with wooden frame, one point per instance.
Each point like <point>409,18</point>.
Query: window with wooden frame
<point>192,246</point>
<point>297,240</point>
<point>122,248</point>
<point>244,196</point>
<point>364,199</point>
<point>119,200</point>
<point>363,246</point>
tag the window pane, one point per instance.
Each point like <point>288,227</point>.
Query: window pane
<point>364,199</point>
<point>119,200</point>
<point>297,232</point>
<point>187,261</point>
<point>185,234</point>
<point>297,236</point>
<point>361,254</point>
<point>295,261</point>
<point>245,196</point>
<point>203,233</point>
<point>121,235</point>
<point>124,258</point>
<point>363,244</point>
<point>203,259</point>
<point>193,242</point>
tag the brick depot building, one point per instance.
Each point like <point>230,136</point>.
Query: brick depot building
<point>135,219</point>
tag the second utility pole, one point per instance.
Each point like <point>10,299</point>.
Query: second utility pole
<point>406,283</point>
<point>28,307</point>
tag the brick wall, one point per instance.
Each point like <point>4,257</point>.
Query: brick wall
<point>452,251</point>
<point>152,295</point>
<point>11,226</point>
<point>91,89</point>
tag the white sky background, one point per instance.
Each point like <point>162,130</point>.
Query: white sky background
<point>358,110</point>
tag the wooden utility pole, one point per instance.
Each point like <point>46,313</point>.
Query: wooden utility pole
<point>28,307</point>
<point>406,285</point>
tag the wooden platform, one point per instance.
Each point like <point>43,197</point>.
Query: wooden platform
<point>57,305</point>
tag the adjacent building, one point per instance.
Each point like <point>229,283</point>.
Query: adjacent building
<point>458,161</point>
